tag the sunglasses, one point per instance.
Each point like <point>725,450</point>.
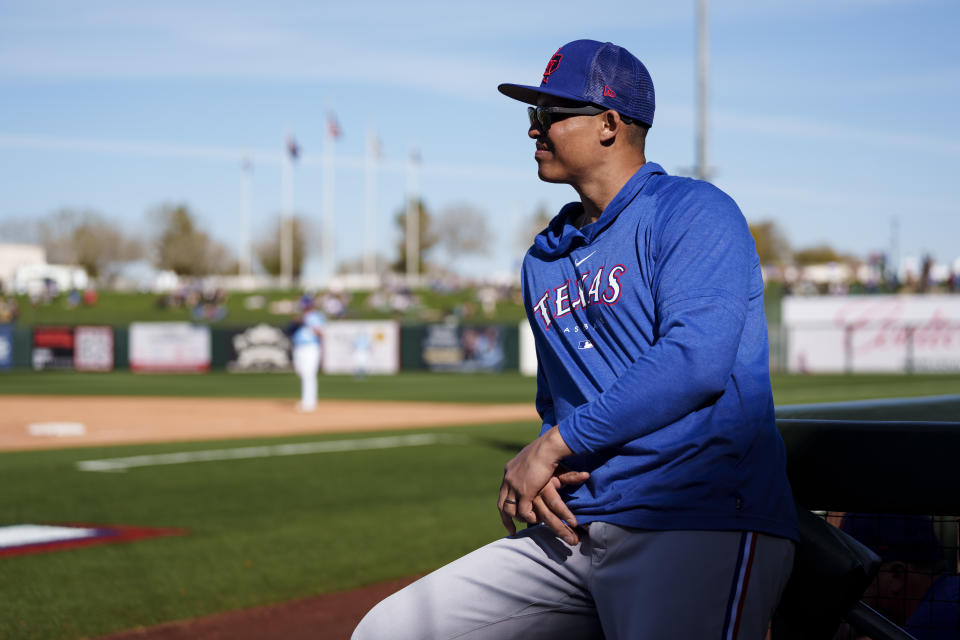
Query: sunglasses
<point>543,117</point>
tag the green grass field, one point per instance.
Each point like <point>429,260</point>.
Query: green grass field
<point>121,308</point>
<point>277,528</point>
<point>434,387</point>
<point>261,531</point>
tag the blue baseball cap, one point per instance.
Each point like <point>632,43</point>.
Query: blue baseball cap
<point>600,73</point>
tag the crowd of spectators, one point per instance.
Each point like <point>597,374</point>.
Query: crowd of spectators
<point>873,276</point>
<point>45,294</point>
<point>204,304</point>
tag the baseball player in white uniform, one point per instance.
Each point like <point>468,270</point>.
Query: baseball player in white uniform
<point>307,352</point>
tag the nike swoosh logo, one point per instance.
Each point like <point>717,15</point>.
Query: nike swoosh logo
<point>582,260</point>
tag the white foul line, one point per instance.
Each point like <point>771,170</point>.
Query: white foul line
<point>241,453</point>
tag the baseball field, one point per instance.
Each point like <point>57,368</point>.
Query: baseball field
<point>249,503</point>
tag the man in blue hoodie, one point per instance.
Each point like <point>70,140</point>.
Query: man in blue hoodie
<point>656,493</point>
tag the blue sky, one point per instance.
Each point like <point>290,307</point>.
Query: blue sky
<point>830,117</point>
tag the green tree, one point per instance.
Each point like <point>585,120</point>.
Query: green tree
<point>428,236</point>
<point>820,254</point>
<point>772,245</point>
<point>181,246</point>
<point>268,250</point>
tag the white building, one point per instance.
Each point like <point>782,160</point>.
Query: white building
<point>14,256</point>
<point>33,278</point>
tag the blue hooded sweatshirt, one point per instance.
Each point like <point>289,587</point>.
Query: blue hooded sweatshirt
<point>653,360</point>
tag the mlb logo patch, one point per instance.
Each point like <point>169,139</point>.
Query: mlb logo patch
<point>585,344</point>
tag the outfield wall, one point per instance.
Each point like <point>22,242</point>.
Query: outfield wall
<point>373,347</point>
<point>877,333</point>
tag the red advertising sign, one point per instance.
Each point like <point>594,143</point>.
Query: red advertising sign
<point>53,348</point>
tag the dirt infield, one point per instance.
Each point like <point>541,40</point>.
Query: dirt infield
<point>331,616</point>
<point>131,420</point>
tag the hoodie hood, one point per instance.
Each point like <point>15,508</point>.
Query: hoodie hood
<point>561,236</point>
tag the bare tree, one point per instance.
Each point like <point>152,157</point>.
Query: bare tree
<point>84,238</point>
<point>381,265</point>
<point>183,247</point>
<point>533,225</point>
<point>268,250</point>
<point>462,229</point>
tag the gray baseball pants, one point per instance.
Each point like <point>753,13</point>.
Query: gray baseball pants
<point>617,583</point>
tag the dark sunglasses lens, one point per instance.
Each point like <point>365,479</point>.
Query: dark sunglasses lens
<point>539,118</point>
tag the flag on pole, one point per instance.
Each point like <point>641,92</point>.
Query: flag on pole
<point>333,126</point>
<point>293,148</point>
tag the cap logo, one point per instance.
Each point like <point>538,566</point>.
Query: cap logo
<point>608,92</point>
<point>552,65</point>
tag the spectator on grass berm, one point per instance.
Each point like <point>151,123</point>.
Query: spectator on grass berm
<point>916,588</point>
<point>657,490</point>
<point>9,310</point>
<point>307,351</point>
<point>90,297</point>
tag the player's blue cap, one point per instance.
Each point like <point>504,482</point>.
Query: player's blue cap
<point>600,73</point>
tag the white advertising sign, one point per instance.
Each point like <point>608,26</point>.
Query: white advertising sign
<point>93,349</point>
<point>893,333</point>
<point>169,346</point>
<point>361,347</point>
<point>528,351</point>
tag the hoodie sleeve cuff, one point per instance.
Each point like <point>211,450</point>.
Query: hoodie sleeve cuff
<point>570,436</point>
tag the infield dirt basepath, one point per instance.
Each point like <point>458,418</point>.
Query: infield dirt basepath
<point>137,420</point>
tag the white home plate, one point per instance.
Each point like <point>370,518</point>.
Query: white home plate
<point>56,429</point>
<point>22,534</point>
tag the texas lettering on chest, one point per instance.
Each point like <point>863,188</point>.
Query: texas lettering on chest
<point>590,288</point>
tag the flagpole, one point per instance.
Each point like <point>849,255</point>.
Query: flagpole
<point>413,217</point>
<point>328,200</point>
<point>246,245</point>
<point>286,226</point>
<point>370,200</point>
<point>702,170</point>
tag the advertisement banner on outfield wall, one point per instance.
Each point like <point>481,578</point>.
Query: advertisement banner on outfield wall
<point>52,348</point>
<point>93,348</point>
<point>6,346</point>
<point>872,333</point>
<point>454,348</point>
<point>169,347</point>
<point>260,348</point>
<point>528,350</point>
<point>361,347</point>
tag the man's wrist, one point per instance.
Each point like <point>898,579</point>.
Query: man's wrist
<point>556,448</point>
